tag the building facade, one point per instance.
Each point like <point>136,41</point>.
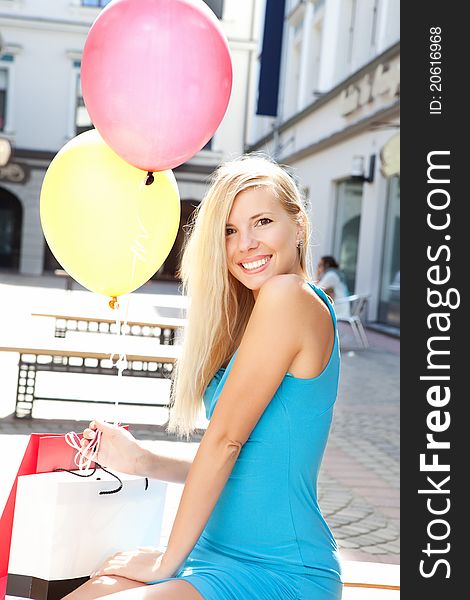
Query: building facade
<point>337,125</point>
<point>41,108</point>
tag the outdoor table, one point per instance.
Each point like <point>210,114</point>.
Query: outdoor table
<point>165,329</point>
<point>145,359</point>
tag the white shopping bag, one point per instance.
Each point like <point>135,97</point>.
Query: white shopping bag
<point>64,529</point>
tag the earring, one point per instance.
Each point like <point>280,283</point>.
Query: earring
<point>300,243</point>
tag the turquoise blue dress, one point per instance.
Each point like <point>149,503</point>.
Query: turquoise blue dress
<point>266,537</point>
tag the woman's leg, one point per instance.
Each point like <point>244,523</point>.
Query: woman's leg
<point>126,589</point>
<point>97,587</point>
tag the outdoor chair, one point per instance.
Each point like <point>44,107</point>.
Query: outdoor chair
<point>357,304</point>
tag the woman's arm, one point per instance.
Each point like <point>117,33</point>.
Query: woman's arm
<point>160,461</point>
<point>119,450</point>
<point>273,338</point>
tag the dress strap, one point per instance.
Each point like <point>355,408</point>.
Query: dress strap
<point>325,299</point>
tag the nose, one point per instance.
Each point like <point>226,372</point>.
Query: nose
<point>247,241</point>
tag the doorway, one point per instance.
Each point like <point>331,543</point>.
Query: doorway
<point>11,219</point>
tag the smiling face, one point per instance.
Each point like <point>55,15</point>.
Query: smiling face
<point>261,238</point>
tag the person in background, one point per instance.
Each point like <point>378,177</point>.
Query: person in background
<point>332,281</point>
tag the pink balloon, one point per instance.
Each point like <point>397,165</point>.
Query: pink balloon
<point>156,79</point>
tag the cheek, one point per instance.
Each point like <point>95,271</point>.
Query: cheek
<point>288,242</point>
<point>229,250</point>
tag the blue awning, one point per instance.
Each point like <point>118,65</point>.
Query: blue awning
<point>268,87</point>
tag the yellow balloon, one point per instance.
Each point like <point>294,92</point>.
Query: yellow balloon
<point>107,229</point>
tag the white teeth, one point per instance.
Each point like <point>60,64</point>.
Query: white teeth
<point>256,264</point>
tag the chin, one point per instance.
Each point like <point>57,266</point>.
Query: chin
<point>255,284</point>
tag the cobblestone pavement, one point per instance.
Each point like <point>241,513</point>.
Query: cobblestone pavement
<point>359,481</point>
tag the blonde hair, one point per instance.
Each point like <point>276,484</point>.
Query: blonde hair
<point>219,305</point>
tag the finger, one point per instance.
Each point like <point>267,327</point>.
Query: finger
<point>101,426</point>
<point>112,570</point>
<point>89,434</point>
<point>97,573</point>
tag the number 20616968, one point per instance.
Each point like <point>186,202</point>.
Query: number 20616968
<point>435,70</point>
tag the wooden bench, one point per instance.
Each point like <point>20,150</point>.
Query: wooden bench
<point>156,362</point>
<point>364,580</point>
<point>165,330</point>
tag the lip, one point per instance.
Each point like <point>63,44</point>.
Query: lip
<point>253,259</point>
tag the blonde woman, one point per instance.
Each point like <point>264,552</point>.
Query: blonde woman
<point>261,352</point>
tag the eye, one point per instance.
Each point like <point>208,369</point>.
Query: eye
<point>229,231</point>
<point>264,221</point>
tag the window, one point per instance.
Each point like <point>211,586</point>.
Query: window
<point>95,3</point>
<point>346,234</point>
<point>217,6</point>
<point>358,35</point>
<point>351,36</point>
<point>6,91</point>
<point>82,118</point>
<point>389,301</point>
<point>292,65</point>
<point>373,33</point>
<point>3,97</point>
<point>79,119</point>
<point>313,50</point>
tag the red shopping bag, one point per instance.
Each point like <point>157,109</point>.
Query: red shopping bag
<point>44,453</point>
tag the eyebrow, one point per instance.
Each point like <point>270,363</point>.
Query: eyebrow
<point>265,212</point>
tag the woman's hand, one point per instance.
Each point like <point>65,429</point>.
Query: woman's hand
<point>118,449</point>
<point>143,564</point>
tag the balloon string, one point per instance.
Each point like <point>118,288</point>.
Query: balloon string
<point>121,362</point>
<point>84,456</point>
<point>138,249</point>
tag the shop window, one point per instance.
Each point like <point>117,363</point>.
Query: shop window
<point>389,301</point>
<point>346,233</point>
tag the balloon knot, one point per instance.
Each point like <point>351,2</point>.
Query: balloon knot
<point>150,178</point>
<point>113,303</point>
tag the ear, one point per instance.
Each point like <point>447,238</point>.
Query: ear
<point>300,228</point>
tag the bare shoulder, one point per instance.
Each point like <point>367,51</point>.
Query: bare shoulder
<point>292,291</point>
<point>282,288</point>
<point>305,317</point>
